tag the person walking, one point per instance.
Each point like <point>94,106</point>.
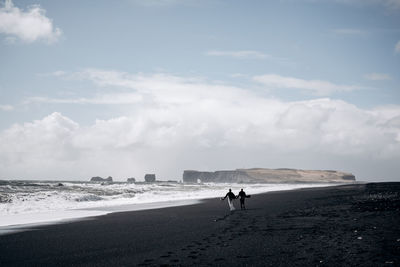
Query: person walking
<point>231,196</point>
<point>242,195</point>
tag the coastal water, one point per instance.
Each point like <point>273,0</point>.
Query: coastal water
<point>27,202</point>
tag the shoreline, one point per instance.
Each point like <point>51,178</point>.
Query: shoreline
<point>25,221</point>
<point>355,224</point>
<point>91,213</point>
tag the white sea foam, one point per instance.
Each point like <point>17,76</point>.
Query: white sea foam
<point>38,202</point>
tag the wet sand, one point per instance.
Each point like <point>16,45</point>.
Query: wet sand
<point>351,225</point>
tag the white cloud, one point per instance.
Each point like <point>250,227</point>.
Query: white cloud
<point>317,87</point>
<point>29,26</point>
<point>349,31</point>
<point>377,76</point>
<point>6,107</point>
<point>58,73</point>
<point>242,54</point>
<point>101,99</point>
<point>397,47</point>
<point>191,123</point>
<point>160,88</point>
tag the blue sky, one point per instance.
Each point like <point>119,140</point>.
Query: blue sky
<point>127,87</point>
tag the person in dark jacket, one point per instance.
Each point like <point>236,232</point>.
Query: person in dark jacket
<point>242,195</point>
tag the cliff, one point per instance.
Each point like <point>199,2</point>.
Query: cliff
<point>260,175</point>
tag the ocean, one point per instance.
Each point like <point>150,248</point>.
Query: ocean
<point>37,202</point>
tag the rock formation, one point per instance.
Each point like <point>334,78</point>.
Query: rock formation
<point>100,179</point>
<point>150,178</point>
<point>131,180</point>
<point>260,175</point>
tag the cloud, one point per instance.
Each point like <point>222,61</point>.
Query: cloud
<point>101,99</point>
<point>159,87</point>
<point>182,123</point>
<point>317,87</point>
<point>397,48</point>
<point>377,76</point>
<point>6,107</point>
<point>57,73</point>
<point>349,31</point>
<point>29,26</point>
<point>242,54</point>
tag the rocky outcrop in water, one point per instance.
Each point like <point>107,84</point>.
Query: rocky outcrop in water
<point>131,180</point>
<point>260,175</point>
<point>150,178</point>
<point>100,179</point>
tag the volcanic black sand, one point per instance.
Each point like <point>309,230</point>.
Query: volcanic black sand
<point>351,225</point>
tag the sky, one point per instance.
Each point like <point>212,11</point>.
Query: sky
<point>129,87</point>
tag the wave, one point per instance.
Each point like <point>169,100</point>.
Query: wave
<point>19,198</point>
<point>88,198</point>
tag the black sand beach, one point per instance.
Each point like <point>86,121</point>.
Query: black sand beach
<point>351,225</point>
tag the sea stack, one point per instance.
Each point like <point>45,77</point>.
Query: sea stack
<point>131,180</point>
<point>150,178</point>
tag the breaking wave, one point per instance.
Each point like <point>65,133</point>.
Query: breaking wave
<point>31,198</point>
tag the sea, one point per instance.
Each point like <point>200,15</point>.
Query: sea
<point>25,203</point>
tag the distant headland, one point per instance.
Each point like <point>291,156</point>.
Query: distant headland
<point>262,175</point>
<point>254,175</point>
